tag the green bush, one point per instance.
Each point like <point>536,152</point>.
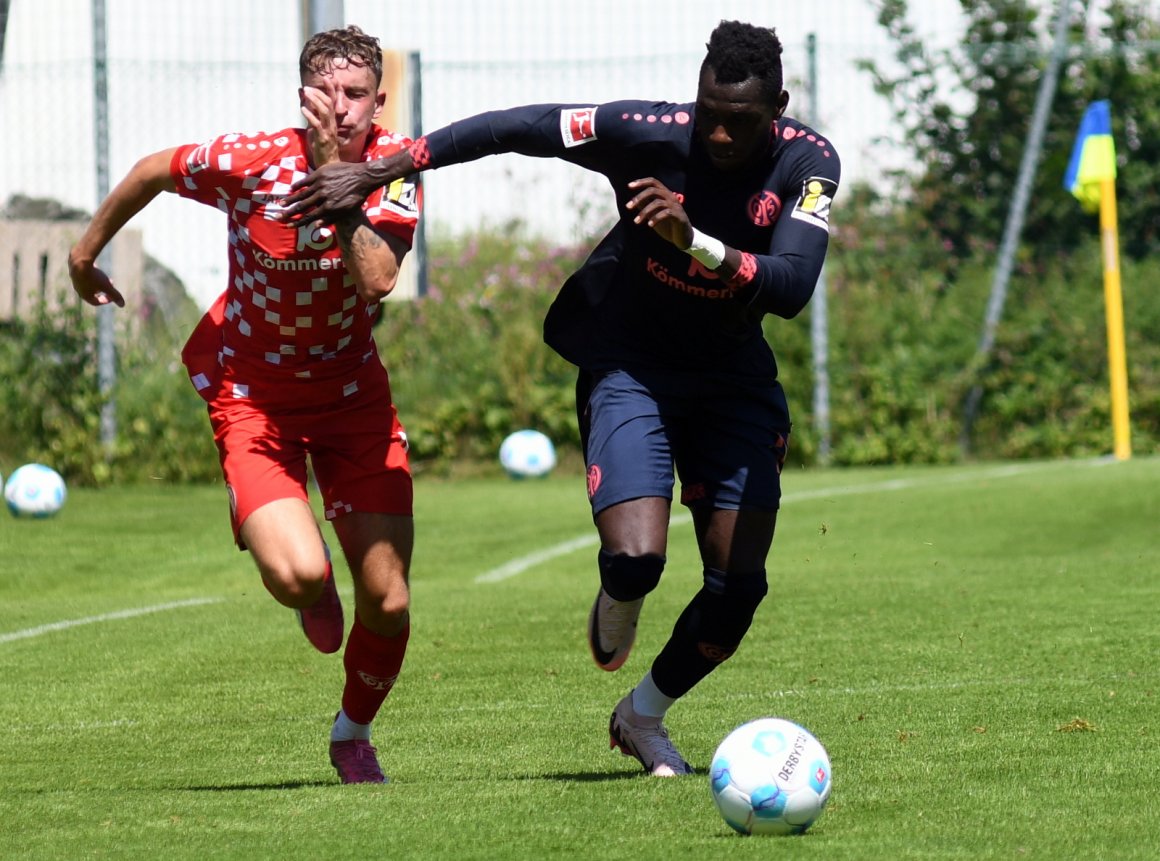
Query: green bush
<point>50,398</point>
<point>468,364</point>
<point>52,405</point>
<point>163,432</point>
<point>1047,391</point>
<point>902,344</point>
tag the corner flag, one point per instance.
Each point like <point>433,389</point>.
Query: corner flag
<point>1093,158</point>
<point>1091,177</point>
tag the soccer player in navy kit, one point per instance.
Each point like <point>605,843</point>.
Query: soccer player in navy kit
<point>724,208</point>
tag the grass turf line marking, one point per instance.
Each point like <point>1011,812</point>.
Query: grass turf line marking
<point>523,563</point>
<point>104,617</point>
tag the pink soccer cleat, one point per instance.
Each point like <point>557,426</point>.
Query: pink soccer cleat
<point>355,761</point>
<point>322,621</point>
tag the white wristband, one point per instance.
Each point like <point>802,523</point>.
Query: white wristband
<point>706,250</point>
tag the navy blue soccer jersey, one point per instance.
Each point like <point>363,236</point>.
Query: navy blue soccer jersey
<point>638,301</point>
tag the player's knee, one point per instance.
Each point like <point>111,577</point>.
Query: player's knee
<point>626,578</point>
<point>293,584</point>
<point>390,624</point>
<point>388,614</point>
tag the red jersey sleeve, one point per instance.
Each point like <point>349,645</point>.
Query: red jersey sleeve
<point>395,207</point>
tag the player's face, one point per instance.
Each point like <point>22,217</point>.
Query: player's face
<point>356,103</point>
<point>734,121</point>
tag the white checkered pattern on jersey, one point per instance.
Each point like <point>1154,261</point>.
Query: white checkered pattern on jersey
<point>274,184</point>
<point>267,190</point>
<point>291,303</point>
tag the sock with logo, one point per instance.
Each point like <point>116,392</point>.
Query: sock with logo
<point>372,664</point>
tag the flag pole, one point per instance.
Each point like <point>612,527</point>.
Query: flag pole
<point>1114,311</point>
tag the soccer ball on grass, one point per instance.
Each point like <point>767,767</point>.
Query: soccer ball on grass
<point>770,776</point>
<point>527,454</point>
<point>34,490</point>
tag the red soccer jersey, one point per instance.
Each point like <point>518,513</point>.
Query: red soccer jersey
<point>290,315</point>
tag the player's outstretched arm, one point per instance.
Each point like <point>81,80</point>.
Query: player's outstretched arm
<point>326,193</point>
<point>148,178</point>
<point>528,130</point>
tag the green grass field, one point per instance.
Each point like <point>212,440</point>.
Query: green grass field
<point>977,647</point>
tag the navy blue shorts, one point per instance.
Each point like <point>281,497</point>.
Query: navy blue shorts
<point>726,438</point>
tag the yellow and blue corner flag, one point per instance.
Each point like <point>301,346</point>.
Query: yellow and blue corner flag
<point>1093,158</point>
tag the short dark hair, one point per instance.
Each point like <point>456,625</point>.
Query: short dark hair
<point>738,51</point>
<point>350,44</point>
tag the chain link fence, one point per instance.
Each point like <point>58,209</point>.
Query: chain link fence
<point>186,72</point>
<point>178,73</point>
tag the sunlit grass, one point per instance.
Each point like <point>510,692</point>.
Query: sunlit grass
<point>974,645</point>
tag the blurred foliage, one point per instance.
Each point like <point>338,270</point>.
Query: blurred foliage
<point>902,343</point>
<point>468,364</point>
<point>467,360</point>
<point>965,115</point>
<point>51,402</point>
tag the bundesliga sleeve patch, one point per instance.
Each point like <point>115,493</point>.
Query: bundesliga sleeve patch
<point>402,198</point>
<point>577,126</point>
<point>813,204</point>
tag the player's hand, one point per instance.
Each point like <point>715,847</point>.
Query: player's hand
<point>322,126</point>
<point>326,193</point>
<point>658,207</point>
<point>91,284</point>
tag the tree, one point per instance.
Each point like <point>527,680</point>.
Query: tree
<point>964,114</point>
<point>1121,65</point>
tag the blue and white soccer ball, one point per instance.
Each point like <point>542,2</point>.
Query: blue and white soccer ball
<point>770,776</point>
<point>35,490</point>
<point>527,454</point>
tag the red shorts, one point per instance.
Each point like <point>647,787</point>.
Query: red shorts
<point>356,445</point>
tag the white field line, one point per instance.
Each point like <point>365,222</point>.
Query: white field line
<point>104,617</point>
<point>531,560</point>
<point>523,563</point>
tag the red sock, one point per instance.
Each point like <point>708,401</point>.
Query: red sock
<point>372,664</point>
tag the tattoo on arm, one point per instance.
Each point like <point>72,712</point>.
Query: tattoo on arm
<point>356,236</point>
<point>371,258</point>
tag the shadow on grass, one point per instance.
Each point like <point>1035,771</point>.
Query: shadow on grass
<point>557,777</point>
<point>260,787</point>
<point>597,776</point>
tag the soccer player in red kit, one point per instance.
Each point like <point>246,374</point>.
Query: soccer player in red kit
<point>286,362</point>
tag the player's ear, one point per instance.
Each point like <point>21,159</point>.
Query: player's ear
<point>782,103</point>
<point>380,102</point>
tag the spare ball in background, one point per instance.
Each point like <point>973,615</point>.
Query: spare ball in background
<point>35,490</point>
<point>527,454</point>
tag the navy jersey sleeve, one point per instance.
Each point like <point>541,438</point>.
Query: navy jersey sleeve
<point>580,134</point>
<point>782,280</point>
